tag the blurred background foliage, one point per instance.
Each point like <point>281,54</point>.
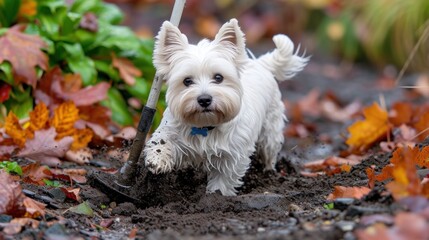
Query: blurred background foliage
<point>84,37</point>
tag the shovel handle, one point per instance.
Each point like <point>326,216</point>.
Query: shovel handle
<point>128,172</point>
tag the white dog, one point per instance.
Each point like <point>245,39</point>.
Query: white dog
<point>222,105</point>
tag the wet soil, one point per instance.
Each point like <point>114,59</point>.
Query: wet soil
<point>270,205</point>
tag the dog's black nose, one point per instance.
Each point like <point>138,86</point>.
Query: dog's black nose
<point>204,100</point>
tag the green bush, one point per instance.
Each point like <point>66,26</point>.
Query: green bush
<point>81,38</point>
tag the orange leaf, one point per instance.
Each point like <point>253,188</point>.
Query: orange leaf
<point>346,168</point>
<point>127,70</point>
<point>348,192</point>
<point>71,193</point>
<point>28,8</point>
<point>401,113</point>
<point>64,118</point>
<point>422,126</point>
<point>38,117</point>
<point>371,177</point>
<point>366,132</point>
<point>23,52</point>
<point>81,138</point>
<point>14,129</point>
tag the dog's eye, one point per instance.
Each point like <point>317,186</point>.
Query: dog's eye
<point>218,78</point>
<point>188,81</point>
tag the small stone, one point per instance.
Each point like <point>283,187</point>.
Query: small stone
<point>56,231</point>
<point>346,226</point>
<point>260,229</point>
<point>126,209</point>
<point>57,194</point>
<point>343,203</point>
<point>28,193</point>
<point>260,201</point>
<point>5,218</point>
<point>112,204</point>
<point>294,208</point>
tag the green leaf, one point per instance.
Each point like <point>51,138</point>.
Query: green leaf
<point>108,69</point>
<point>329,206</point>
<point>83,6</point>
<point>117,37</point>
<point>140,89</point>
<point>52,183</point>
<point>8,12</point>
<point>70,23</point>
<point>11,167</point>
<point>82,208</point>
<point>6,73</point>
<point>108,13</point>
<point>85,67</point>
<point>116,103</point>
<point>23,108</point>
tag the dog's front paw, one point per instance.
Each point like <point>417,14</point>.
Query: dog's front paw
<point>159,157</point>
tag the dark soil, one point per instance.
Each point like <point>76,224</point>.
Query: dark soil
<point>270,205</point>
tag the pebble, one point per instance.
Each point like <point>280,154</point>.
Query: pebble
<point>343,203</point>
<point>57,194</point>
<point>260,201</point>
<point>28,193</point>
<point>56,231</point>
<point>5,218</point>
<point>345,226</point>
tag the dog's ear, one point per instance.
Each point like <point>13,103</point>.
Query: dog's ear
<point>168,42</point>
<point>231,37</point>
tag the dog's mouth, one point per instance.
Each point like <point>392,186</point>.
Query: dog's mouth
<point>206,110</point>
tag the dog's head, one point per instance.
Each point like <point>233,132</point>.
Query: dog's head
<point>203,80</point>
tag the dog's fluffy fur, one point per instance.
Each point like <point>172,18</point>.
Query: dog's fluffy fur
<point>214,87</point>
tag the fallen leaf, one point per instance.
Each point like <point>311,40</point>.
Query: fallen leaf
<point>14,129</point>
<point>45,149</point>
<point>69,175</point>
<point>81,156</point>
<point>11,196</point>
<point>71,193</point>
<point>81,138</point>
<point>23,52</point>
<point>335,113</point>
<point>38,117</point>
<point>348,192</point>
<point>35,173</point>
<point>365,133</point>
<point>83,97</point>
<point>64,118</point>
<point>401,113</point>
<point>422,126</point>
<point>126,69</point>
<point>33,208</point>
<point>82,208</point>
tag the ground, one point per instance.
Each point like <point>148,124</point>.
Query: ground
<point>271,205</point>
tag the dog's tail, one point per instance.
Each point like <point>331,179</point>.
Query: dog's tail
<point>283,63</point>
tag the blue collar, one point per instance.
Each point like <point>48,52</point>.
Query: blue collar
<point>204,131</point>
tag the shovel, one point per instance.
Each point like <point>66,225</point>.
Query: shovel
<point>118,186</point>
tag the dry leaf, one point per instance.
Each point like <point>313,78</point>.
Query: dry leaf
<point>81,156</point>
<point>81,138</point>
<point>366,132</point>
<point>11,196</point>
<point>14,129</point>
<point>71,193</point>
<point>38,117</point>
<point>401,113</point>
<point>35,174</point>
<point>422,126</point>
<point>348,192</point>
<point>33,208</point>
<point>23,52</point>
<point>64,118</point>
<point>45,149</point>
<point>126,69</point>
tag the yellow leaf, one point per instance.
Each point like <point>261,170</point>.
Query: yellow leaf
<point>366,132</point>
<point>38,117</point>
<point>81,138</point>
<point>64,118</point>
<point>14,129</point>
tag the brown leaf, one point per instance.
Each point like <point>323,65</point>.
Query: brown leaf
<point>14,129</point>
<point>45,149</point>
<point>127,70</point>
<point>23,52</point>
<point>33,208</point>
<point>401,113</point>
<point>348,192</point>
<point>89,22</point>
<point>11,196</point>
<point>71,193</point>
<point>35,174</point>
<point>83,97</point>
<point>64,118</point>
